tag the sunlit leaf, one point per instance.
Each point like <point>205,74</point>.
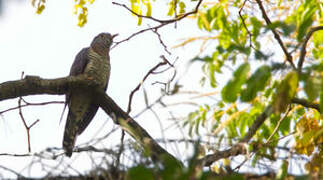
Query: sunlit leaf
<point>285,92</point>
<point>40,9</point>
<point>306,18</point>
<point>257,82</point>
<point>312,88</point>
<point>182,7</point>
<point>284,127</point>
<point>231,90</point>
<point>321,99</point>
<point>140,172</point>
<point>140,18</point>
<point>282,172</point>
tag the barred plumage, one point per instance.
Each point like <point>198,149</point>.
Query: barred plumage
<point>95,62</point>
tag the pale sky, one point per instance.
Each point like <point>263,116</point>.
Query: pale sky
<point>45,45</point>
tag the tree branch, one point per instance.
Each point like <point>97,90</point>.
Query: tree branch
<point>276,35</point>
<point>162,22</point>
<point>307,104</point>
<point>168,21</point>
<point>303,49</point>
<point>240,147</point>
<point>33,85</point>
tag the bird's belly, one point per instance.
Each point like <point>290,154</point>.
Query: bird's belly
<point>98,68</point>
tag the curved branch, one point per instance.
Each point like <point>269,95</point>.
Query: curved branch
<point>159,20</point>
<point>303,49</point>
<point>307,104</point>
<point>162,22</point>
<point>33,85</point>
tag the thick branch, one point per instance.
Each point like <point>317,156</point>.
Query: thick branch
<point>307,104</point>
<point>303,49</point>
<point>33,85</point>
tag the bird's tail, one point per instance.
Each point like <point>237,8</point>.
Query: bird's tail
<point>70,134</point>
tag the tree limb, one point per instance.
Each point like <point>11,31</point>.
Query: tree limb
<point>303,48</point>
<point>307,104</point>
<point>33,85</point>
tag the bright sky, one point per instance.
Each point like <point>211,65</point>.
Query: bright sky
<point>45,45</point>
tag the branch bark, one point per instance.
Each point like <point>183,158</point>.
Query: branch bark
<point>33,85</point>
<point>303,48</point>
<point>306,103</point>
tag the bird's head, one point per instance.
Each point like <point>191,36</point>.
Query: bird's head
<point>102,42</point>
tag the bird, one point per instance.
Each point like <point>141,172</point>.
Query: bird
<point>93,61</point>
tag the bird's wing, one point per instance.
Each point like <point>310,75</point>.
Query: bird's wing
<point>80,62</point>
<point>78,67</point>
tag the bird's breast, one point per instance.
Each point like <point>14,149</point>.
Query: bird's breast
<point>98,67</point>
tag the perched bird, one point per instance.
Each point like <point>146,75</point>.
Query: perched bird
<point>95,62</point>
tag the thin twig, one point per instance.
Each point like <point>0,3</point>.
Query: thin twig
<point>244,23</point>
<point>23,119</point>
<point>161,41</point>
<point>121,148</point>
<point>162,22</point>
<point>278,125</point>
<point>145,77</point>
<point>168,21</point>
<point>31,104</point>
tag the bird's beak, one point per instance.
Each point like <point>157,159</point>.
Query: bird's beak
<point>113,36</point>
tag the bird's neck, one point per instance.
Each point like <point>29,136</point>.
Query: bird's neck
<point>101,50</point>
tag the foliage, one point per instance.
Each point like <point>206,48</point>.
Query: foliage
<point>80,9</point>
<point>241,38</point>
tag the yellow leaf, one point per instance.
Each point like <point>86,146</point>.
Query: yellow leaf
<point>205,21</point>
<point>82,2</point>
<point>140,18</point>
<point>82,19</point>
<point>76,7</point>
<point>91,1</point>
<point>148,6</point>
<point>84,11</point>
<point>40,9</point>
<point>285,92</point>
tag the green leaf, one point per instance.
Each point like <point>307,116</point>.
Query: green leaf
<point>243,122</point>
<point>256,27</point>
<point>257,82</point>
<point>282,172</point>
<point>307,17</point>
<point>321,100</point>
<point>182,8</point>
<point>312,88</point>
<point>285,126</point>
<point>285,92</point>
<point>232,89</point>
<point>140,172</point>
